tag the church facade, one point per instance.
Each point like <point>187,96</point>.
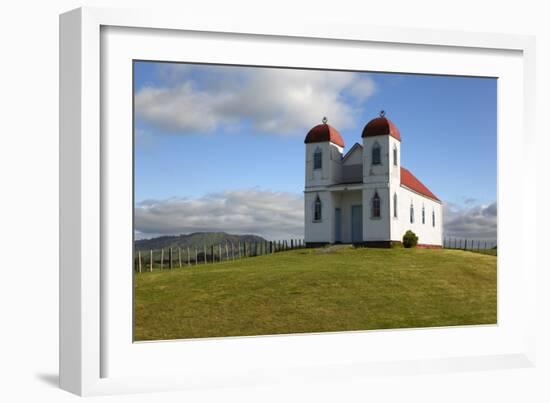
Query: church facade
<point>365,196</point>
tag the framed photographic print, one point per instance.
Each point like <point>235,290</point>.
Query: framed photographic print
<point>247,204</point>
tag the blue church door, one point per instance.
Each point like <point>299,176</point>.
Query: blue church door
<point>356,224</point>
<point>337,225</point>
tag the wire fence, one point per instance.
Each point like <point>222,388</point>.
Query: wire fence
<point>476,245</point>
<point>178,257</point>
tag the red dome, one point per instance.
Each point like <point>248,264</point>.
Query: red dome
<point>322,133</point>
<point>381,126</point>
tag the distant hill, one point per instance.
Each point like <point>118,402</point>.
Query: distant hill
<point>194,240</point>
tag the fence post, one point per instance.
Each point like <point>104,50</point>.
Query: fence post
<point>150,259</point>
<point>196,256</point>
<point>205,254</point>
<point>139,260</point>
<point>292,244</point>
<point>188,257</point>
<point>161,257</point>
<point>179,254</point>
<point>170,257</point>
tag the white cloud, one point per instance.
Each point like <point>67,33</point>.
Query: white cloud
<point>276,215</point>
<point>273,215</point>
<point>471,222</point>
<point>280,101</point>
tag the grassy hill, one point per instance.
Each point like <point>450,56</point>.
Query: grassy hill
<point>194,240</point>
<point>317,290</point>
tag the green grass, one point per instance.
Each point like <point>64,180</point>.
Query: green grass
<point>492,251</point>
<point>317,290</point>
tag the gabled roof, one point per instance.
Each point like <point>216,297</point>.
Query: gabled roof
<point>351,150</point>
<point>410,181</point>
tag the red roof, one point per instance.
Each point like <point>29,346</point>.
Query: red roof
<point>381,126</point>
<point>322,133</point>
<point>410,181</point>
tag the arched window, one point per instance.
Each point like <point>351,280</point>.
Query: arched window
<point>317,159</point>
<point>433,218</point>
<point>376,157</point>
<point>395,155</point>
<point>375,206</point>
<point>395,205</point>
<point>412,213</point>
<point>317,209</point>
<point>423,215</point>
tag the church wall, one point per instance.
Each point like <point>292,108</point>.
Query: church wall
<point>331,170</point>
<point>395,170</point>
<point>376,228</point>
<point>376,173</point>
<point>427,234</point>
<point>356,156</point>
<point>318,231</point>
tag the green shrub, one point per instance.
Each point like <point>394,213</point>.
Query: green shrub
<point>410,239</point>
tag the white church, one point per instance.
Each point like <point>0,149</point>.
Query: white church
<point>365,196</point>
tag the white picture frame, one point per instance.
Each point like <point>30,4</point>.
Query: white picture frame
<point>96,355</point>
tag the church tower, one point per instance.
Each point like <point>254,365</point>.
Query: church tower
<point>324,148</point>
<point>381,179</point>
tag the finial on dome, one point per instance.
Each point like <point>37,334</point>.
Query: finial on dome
<point>382,113</point>
<point>325,120</point>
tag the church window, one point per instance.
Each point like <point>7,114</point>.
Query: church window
<point>433,218</point>
<point>317,159</point>
<point>375,207</point>
<point>376,157</point>
<point>317,209</point>
<point>412,213</point>
<point>395,205</point>
<point>395,155</point>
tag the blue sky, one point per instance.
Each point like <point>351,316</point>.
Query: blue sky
<point>207,135</point>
